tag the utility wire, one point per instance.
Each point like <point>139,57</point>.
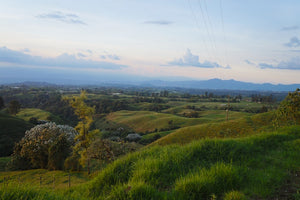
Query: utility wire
<point>200,28</point>
<point>210,33</point>
<point>224,33</point>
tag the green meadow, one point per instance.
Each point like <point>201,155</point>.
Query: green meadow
<point>253,167</point>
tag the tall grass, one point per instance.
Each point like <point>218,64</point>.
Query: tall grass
<point>256,166</point>
<point>27,192</point>
<point>231,129</point>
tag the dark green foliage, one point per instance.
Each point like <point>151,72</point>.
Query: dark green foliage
<point>72,163</point>
<point>12,129</point>
<point>14,107</point>
<point>3,163</point>
<point>58,153</point>
<point>1,103</point>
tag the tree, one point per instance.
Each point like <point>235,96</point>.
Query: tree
<point>1,103</point>
<point>14,107</point>
<point>44,146</point>
<point>85,114</point>
<point>289,110</point>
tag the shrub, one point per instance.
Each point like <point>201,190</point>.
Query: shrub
<point>43,146</point>
<point>235,195</point>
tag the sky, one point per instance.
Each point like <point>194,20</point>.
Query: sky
<point>113,40</point>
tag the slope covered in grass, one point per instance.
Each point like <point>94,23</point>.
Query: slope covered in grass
<point>142,121</point>
<point>254,166</point>
<point>28,113</point>
<point>12,129</point>
<point>27,192</point>
<point>36,176</point>
<point>233,128</point>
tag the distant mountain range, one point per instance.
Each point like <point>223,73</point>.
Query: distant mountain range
<point>218,84</point>
<point>212,84</point>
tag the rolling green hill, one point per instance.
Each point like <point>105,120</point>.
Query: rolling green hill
<point>35,177</point>
<point>27,113</point>
<point>148,121</point>
<point>12,129</point>
<point>256,167</point>
<point>231,129</point>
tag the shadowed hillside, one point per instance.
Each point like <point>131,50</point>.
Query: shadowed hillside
<point>12,129</point>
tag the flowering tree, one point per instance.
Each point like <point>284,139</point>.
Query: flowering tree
<point>289,110</point>
<point>44,146</point>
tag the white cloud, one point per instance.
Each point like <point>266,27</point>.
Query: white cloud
<point>189,59</point>
<point>159,22</point>
<point>291,64</point>
<point>65,60</point>
<point>294,42</point>
<point>69,18</point>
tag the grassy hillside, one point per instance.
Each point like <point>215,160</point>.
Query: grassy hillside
<point>36,176</point>
<point>233,128</point>
<point>142,121</point>
<point>27,113</point>
<point>12,129</point>
<point>256,167</point>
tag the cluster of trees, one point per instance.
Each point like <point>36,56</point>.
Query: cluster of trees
<point>148,100</point>
<point>13,107</point>
<point>263,99</point>
<point>108,105</point>
<point>57,147</point>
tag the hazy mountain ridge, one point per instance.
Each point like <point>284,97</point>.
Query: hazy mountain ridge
<point>224,84</point>
<point>212,84</point>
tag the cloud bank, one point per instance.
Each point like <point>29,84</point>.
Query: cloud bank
<point>159,22</point>
<point>69,18</point>
<point>291,64</point>
<point>290,28</point>
<point>294,42</point>
<point>189,59</point>
<point>249,62</point>
<point>65,60</point>
<point>110,56</point>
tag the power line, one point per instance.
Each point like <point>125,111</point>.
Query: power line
<point>200,28</point>
<point>224,33</point>
<point>210,32</point>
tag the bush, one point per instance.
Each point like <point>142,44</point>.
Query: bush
<point>235,195</point>
<point>43,146</point>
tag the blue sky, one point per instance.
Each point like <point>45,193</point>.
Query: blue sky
<point>251,40</point>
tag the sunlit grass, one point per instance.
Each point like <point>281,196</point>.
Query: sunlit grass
<point>27,113</point>
<point>254,166</point>
<point>232,129</point>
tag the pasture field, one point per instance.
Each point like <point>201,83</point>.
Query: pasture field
<point>28,113</point>
<point>263,166</point>
<point>149,121</point>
